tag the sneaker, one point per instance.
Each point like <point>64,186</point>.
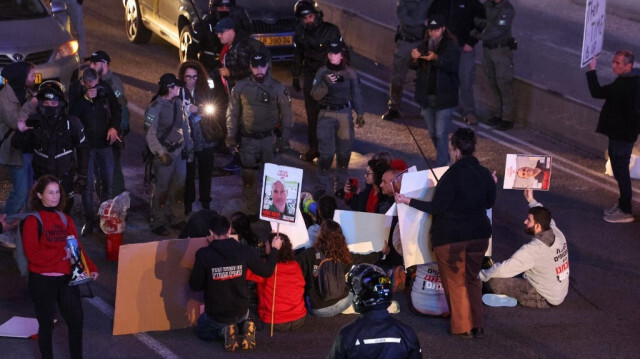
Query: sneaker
<point>619,217</point>
<point>499,300</point>
<point>7,241</point>
<point>391,115</point>
<point>249,335</point>
<point>309,156</point>
<point>611,210</point>
<point>232,166</point>
<point>231,338</point>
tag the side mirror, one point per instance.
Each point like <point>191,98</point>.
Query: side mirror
<point>58,6</point>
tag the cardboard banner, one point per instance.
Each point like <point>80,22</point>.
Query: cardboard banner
<point>280,193</point>
<point>593,35</point>
<point>365,232</point>
<point>152,291</point>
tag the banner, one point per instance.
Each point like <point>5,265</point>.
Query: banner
<point>593,34</point>
<point>280,193</point>
<point>365,232</point>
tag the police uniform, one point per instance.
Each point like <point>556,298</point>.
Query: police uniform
<point>118,90</point>
<point>335,121</point>
<point>498,59</point>
<point>169,183</point>
<point>310,54</point>
<point>255,109</point>
<point>411,16</point>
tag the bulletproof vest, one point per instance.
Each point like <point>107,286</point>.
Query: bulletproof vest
<point>259,106</point>
<point>53,146</point>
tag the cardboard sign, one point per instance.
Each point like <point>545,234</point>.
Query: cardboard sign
<point>19,327</point>
<point>364,232</point>
<point>297,232</point>
<point>153,292</point>
<point>595,13</point>
<point>522,171</point>
<point>280,193</point>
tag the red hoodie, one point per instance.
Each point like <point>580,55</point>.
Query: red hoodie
<point>289,293</point>
<point>46,254</point>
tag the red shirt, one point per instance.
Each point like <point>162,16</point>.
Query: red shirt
<point>289,293</point>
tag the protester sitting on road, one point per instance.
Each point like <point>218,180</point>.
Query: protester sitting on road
<point>289,311</point>
<point>49,265</point>
<point>220,271</point>
<point>330,244</point>
<point>370,199</point>
<point>374,334</point>
<point>543,263</point>
<point>325,210</point>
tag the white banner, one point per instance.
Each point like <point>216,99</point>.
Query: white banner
<point>593,35</point>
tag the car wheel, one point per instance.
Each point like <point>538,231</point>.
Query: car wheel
<point>136,31</point>
<point>187,47</point>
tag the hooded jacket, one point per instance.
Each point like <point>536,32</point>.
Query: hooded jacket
<point>14,104</point>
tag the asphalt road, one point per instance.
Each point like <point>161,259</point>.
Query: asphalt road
<point>596,320</point>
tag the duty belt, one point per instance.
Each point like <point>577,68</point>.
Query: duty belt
<point>173,146</point>
<point>257,136</point>
<point>408,39</point>
<point>496,46</point>
<point>330,107</point>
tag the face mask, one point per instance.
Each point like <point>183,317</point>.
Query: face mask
<point>50,112</point>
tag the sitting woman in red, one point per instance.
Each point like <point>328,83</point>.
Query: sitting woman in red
<point>50,267</point>
<point>289,292</point>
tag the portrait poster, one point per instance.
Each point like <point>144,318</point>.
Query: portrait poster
<point>364,232</point>
<point>280,193</point>
<point>522,171</point>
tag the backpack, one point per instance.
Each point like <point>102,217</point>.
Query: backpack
<point>330,279</point>
<point>18,254</point>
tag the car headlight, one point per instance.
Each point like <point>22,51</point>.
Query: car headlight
<point>69,48</point>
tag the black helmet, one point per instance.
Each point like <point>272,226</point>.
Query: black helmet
<point>371,287</point>
<point>213,4</point>
<point>304,7</point>
<point>52,90</point>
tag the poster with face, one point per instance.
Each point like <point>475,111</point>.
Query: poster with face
<point>522,171</point>
<point>280,193</point>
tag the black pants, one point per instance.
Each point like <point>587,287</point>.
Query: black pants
<point>620,155</point>
<point>45,292</point>
<point>312,108</point>
<point>204,162</point>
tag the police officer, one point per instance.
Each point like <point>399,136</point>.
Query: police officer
<point>168,138</point>
<point>312,33</point>
<point>498,46</point>
<point>100,61</point>
<point>58,141</point>
<point>336,87</point>
<point>256,106</point>
<point>374,334</point>
<point>411,16</point>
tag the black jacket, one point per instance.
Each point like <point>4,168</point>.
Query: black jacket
<point>458,17</point>
<point>238,57</point>
<point>359,201</point>
<point>459,203</point>
<point>619,118</point>
<point>98,115</point>
<point>445,68</point>
<point>311,48</point>
<point>376,335</point>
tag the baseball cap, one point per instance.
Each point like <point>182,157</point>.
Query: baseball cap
<point>168,80</point>
<point>336,47</point>
<point>435,22</point>
<point>98,56</point>
<point>225,23</point>
<point>259,59</point>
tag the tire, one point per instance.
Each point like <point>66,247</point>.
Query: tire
<point>136,31</point>
<point>186,49</point>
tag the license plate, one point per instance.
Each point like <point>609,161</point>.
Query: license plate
<point>38,78</point>
<point>275,40</point>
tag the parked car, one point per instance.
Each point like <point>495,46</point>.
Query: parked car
<point>272,22</point>
<point>31,32</point>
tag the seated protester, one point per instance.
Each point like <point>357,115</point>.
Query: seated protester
<point>220,271</point>
<point>289,311</point>
<point>374,334</point>
<point>325,209</point>
<point>543,263</point>
<point>308,208</point>
<point>330,244</point>
<point>427,294</point>
<point>370,199</point>
<point>198,224</point>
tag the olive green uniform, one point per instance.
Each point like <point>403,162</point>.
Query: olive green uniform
<point>118,90</point>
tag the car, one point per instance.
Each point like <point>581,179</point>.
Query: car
<point>31,32</point>
<point>272,22</point>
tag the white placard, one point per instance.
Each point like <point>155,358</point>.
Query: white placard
<point>280,193</point>
<point>297,232</point>
<point>365,232</point>
<point>593,35</point>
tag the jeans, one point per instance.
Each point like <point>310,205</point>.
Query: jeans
<point>203,162</point>
<point>518,288</point>
<point>467,75</point>
<point>620,155</point>
<point>209,329</point>
<point>335,309</point>
<point>46,292</point>
<point>438,124</point>
<point>74,11</point>
<point>21,180</point>
<point>100,163</point>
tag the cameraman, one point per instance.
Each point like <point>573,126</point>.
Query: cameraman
<point>100,113</point>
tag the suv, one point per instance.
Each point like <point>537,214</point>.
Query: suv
<point>32,33</point>
<point>272,22</point>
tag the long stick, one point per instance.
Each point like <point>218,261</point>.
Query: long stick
<point>421,152</point>
<point>275,279</point>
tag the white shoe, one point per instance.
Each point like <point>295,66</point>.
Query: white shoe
<point>499,300</point>
<point>394,307</point>
<point>611,210</point>
<point>619,217</point>
<point>7,241</point>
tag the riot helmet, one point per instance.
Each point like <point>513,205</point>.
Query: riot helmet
<point>214,4</point>
<point>371,287</point>
<point>52,90</point>
<point>304,7</point>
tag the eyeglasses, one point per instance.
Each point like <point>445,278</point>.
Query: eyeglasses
<point>191,77</point>
<point>368,174</point>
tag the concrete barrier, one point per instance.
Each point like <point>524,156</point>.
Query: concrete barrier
<point>537,107</point>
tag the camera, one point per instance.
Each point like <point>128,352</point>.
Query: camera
<point>339,78</point>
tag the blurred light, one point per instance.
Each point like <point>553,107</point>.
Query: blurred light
<point>69,48</point>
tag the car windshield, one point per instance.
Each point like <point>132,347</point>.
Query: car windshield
<point>21,9</point>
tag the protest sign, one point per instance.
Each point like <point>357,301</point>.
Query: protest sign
<point>280,193</point>
<point>593,34</point>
